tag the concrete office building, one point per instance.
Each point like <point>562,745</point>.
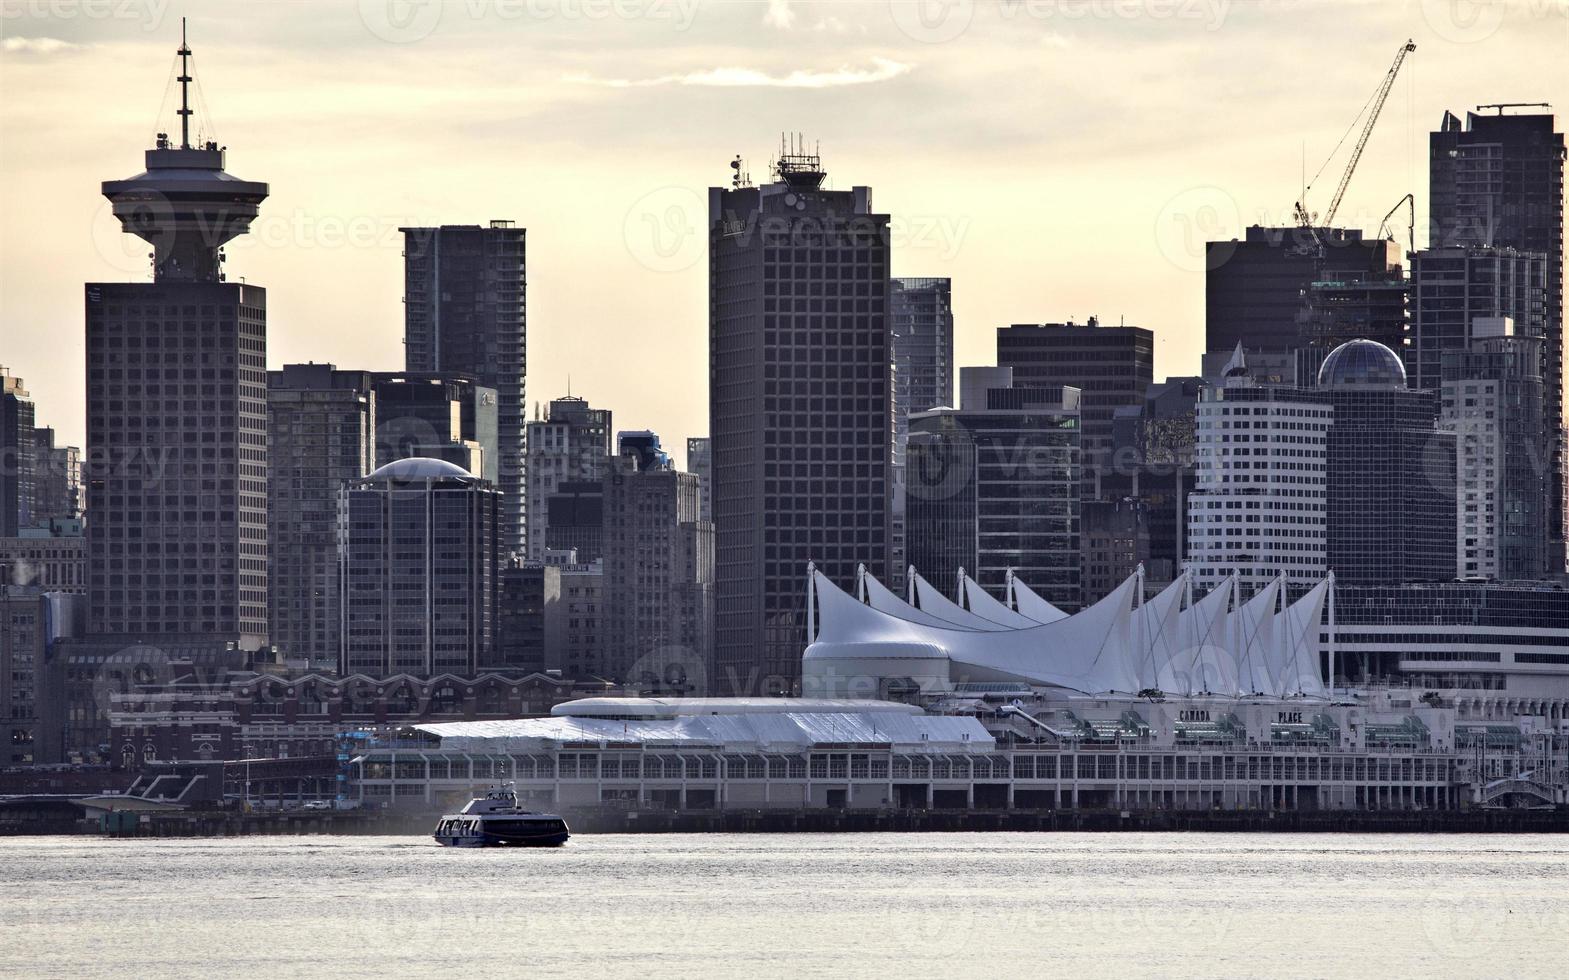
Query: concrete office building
<point>800,407</point>
<point>419,557</point>
<point>465,311</point>
<point>1111,366</point>
<point>18,416</point>
<point>1259,507</point>
<point>1497,180</point>
<point>529,593</point>
<point>571,444</point>
<point>177,411</point>
<point>994,485</point>
<point>321,431</point>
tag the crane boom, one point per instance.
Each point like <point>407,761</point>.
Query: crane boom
<point>1374,108</point>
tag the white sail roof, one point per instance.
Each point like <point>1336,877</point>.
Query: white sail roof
<point>1031,605</point>
<point>1204,664</point>
<point>884,599</point>
<point>987,606</point>
<point>1294,661</point>
<point>1252,627</point>
<point>1158,632</point>
<point>931,600</point>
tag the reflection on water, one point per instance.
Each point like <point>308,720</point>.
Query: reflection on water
<point>946,905</point>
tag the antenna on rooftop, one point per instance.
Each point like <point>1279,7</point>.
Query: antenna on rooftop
<point>185,89</point>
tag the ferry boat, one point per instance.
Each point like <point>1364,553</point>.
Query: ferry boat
<point>495,820</point>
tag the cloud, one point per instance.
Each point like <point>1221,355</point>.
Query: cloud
<point>36,45</point>
<point>881,70</point>
<point>779,15</point>
<point>1053,39</point>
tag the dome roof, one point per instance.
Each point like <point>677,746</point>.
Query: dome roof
<point>1362,364</point>
<point>421,468</point>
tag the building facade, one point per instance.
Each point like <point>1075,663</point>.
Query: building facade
<point>1492,402</point>
<point>1111,366</point>
<point>800,408</point>
<point>177,413</point>
<point>321,430</point>
<point>529,592</point>
<point>1260,505</point>
<point>658,575</point>
<point>419,557</point>
<point>994,485</point>
<point>1498,180</point>
<point>1281,289</point>
<point>571,444</point>
<point>437,416</point>
<point>1390,490</point>
<point>700,463</point>
<point>18,416</point>
<point>465,310</point>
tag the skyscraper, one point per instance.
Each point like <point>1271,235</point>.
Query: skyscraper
<point>17,418</point>
<point>1453,287</point>
<point>1492,402</point>
<point>994,485</point>
<point>465,310</point>
<point>800,407</point>
<point>1259,508</point>
<point>419,552</point>
<point>1498,180</point>
<point>1111,366</point>
<point>571,444</point>
<point>177,410</point>
<point>658,574</point>
<point>1390,493</point>
<point>700,463</point>
<point>321,430</point>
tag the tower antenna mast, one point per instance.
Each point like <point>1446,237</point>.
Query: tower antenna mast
<point>185,89</point>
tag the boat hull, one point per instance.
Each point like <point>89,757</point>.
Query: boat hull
<point>488,839</point>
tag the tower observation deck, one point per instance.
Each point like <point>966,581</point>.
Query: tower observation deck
<point>185,205</point>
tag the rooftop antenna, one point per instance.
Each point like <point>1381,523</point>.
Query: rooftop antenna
<point>185,89</point>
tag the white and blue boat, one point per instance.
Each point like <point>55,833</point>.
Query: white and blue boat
<point>495,820</point>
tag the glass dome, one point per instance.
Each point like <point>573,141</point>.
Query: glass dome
<point>1362,364</point>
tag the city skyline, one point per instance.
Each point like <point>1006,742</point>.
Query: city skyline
<point>984,202</point>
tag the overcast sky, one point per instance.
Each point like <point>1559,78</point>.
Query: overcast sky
<point>1056,159</point>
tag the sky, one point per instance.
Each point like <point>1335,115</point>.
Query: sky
<point>1057,158</point>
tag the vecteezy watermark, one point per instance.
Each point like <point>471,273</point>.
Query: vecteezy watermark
<point>937,21</point>
<point>1195,228</point>
<point>148,13</point>
<point>406,21</point>
<point>664,229</point>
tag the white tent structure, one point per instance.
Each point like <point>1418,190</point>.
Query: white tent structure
<point>1030,605</point>
<point>876,645</point>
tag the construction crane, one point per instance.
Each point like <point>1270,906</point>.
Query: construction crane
<point>1304,218</point>
<point>1384,231</point>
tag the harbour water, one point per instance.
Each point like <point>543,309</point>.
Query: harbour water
<point>759,905</point>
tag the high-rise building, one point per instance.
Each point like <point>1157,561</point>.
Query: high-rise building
<point>1259,507</point>
<point>700,463</point>
<point>1390,493</point>
<point>321,431</point>
<point>17,418</point>
<point>177,410</point>
<point>571,444</point>
<point>437,416</point>
<point>465,311</point>
<point>1154,444</point>
<point>575,626</point>
<point>1498,180</point>
<point>1115,538</point>
<point>57,479</point>
<point>994,485</point>
<point>658,568</point>
<point>800,408</point>
<point>1492,402</point>
<point>23,646</point>
<point>419,555</point>
<point>1283,289</point>
<point>1111,366</point>
<point>921,321</point>
<point>1452,288</point>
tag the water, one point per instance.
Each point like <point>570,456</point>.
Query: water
<point>911,905</point>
